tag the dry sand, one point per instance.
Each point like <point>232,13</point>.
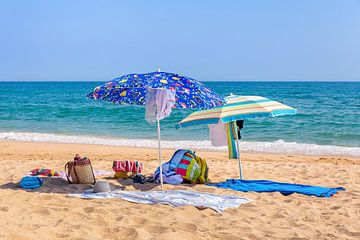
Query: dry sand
<point>47,213</point>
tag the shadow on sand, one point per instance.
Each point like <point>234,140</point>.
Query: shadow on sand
<point>138,186</point>
<point>57,185</point>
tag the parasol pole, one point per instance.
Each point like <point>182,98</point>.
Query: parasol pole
<point>238,150</point>
<point>160,161</point>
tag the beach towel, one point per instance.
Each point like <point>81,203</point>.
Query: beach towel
<point>230,133</point>
<point>97,173</point>
<point>44,172</point>
<point>30,182</point>
<point>158,103</point>
<point>128,166</point>
<point>218,134</point>
<point>270,186</point>
<point>174,198</point>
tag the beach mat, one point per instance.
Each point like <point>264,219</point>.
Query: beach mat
<point>270,186</point>
<point>174,198</point>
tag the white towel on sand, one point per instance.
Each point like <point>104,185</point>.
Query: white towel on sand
<point>97,173</point>
<point>172,197</point>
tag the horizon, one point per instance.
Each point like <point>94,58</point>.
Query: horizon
<point>251,41</point>
<point>227,81</point>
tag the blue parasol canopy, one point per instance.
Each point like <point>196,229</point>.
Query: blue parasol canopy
<point>131,89</point>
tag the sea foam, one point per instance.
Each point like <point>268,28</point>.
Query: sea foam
<point>278,146</point>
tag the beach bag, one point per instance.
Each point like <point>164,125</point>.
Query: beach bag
<point>186,165</point>
<point>80,171</point>
<point>125,169</point>
<point>188,168</point>
<point>70,173</point>
<point>204,170</point>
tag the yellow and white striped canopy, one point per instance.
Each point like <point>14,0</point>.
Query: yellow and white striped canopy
<point>238,108</point>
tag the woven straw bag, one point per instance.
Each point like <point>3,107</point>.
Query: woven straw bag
<point>80,171</point>
<point>70,172</point>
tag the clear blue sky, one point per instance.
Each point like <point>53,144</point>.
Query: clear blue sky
<point>208,40</point>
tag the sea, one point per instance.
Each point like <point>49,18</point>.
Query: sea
<point>327,123</point>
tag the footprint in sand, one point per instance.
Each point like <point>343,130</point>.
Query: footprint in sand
<point>176,235</point>
<point>277,215</point>
<point>295,224</point>
<point>58,222</point>
<point>89,209</point>
<point>325,217</point>
<point>47,197</point>
<point>186,226</point>
<point>130,233</point>
<point>43,211</point>
<point>335,207</point>
<point>139,221</point>
<point>4,209</point>
<point>61,235</point>
<point>156,229</point>
<point>344,230</point>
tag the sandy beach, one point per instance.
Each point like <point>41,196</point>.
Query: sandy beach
<point>47,212</point>
<point>275,82</point>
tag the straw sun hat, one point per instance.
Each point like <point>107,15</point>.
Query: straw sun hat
<point>101,186</point>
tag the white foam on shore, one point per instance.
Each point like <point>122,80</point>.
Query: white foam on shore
<point>278,146</point>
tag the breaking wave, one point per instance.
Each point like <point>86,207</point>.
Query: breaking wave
<point>278,146</point>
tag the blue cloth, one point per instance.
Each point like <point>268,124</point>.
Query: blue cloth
<point>169,176</point>
<point>131,89</point>
<point>270,186</point>
<point>31,182</point>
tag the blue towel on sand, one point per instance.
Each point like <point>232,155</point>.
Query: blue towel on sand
<point>270,186</point>
<point>30,182</point>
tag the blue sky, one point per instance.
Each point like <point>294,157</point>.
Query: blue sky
<point>208,40</point>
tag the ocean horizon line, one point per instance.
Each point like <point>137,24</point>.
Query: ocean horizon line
<point>224,81</point>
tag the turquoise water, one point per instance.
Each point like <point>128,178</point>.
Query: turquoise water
<point>328,112</point>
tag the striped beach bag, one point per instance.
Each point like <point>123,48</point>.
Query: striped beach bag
<point>188,168</point>
<point>184,166</point>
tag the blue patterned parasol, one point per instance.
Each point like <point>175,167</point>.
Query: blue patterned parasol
<point>131,89</point>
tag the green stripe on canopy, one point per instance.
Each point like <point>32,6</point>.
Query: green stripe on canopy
<point>238,108</point>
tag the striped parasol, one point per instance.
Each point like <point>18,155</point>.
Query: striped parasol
<point>238,108</point>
